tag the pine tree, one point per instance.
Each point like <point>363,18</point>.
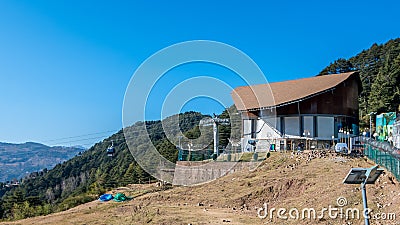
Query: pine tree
<point>384,95</point>
<point>379,69</point>
<point>129,176</point>
<point>1,209</point>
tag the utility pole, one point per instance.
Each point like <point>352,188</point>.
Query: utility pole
<point>216,137</point>
<point>180,145</point>
<point>370,123</point>
<point>363,176</point>
<point>215,121</point>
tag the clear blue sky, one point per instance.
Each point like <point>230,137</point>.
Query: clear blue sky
<point>65,65</point>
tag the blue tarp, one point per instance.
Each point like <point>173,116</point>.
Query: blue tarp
<point>106,197</point>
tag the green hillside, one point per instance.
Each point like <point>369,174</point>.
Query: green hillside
<point>84,177</point>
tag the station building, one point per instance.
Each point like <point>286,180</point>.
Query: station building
<point>314,111</point>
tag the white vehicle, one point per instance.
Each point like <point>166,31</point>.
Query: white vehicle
<point>341,148</point>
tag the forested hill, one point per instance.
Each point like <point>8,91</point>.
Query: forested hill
<point>379,68</point>
<point>84,177</point>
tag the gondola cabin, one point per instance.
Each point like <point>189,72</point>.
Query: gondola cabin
<point>111,150</point>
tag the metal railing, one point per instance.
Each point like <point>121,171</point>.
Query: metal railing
<point>383,154</point>
<point>198,155</point>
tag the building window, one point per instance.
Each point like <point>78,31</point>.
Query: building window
<point>292,126</point>
<point>325,127</point>
<point>308,125</point>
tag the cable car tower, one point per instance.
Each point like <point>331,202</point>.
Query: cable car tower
<point>111,150</point>
<point>215,122</point>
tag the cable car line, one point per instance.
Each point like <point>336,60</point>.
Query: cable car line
<point>83,135</point>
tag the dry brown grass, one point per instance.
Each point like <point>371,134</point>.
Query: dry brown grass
<point>281,181</point>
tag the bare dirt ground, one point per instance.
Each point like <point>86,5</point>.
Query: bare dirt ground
<point>281,181</point>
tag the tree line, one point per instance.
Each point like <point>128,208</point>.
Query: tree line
<point>379,68</point>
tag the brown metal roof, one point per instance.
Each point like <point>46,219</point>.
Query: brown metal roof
<point>278,93</point>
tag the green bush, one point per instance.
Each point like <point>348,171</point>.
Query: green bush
<point>73,201</point>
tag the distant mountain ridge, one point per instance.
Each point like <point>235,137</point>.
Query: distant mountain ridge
<point>18,160</point>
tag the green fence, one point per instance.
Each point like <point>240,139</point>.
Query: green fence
<point>199,155</point>
<point>383,158</point>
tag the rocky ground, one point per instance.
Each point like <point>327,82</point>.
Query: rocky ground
<point>289,181</point>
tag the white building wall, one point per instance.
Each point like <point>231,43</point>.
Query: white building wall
<point>246,123</point>
<point>246,127</point>
<point>268,133</point>
<point>268,128</point>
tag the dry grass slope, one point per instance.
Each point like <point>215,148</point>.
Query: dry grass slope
<point>283,180</point>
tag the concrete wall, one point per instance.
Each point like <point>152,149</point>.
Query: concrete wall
<point>191,173</point>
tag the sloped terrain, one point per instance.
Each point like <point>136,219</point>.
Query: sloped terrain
<point>84,177</point>
<point>282,181</point>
